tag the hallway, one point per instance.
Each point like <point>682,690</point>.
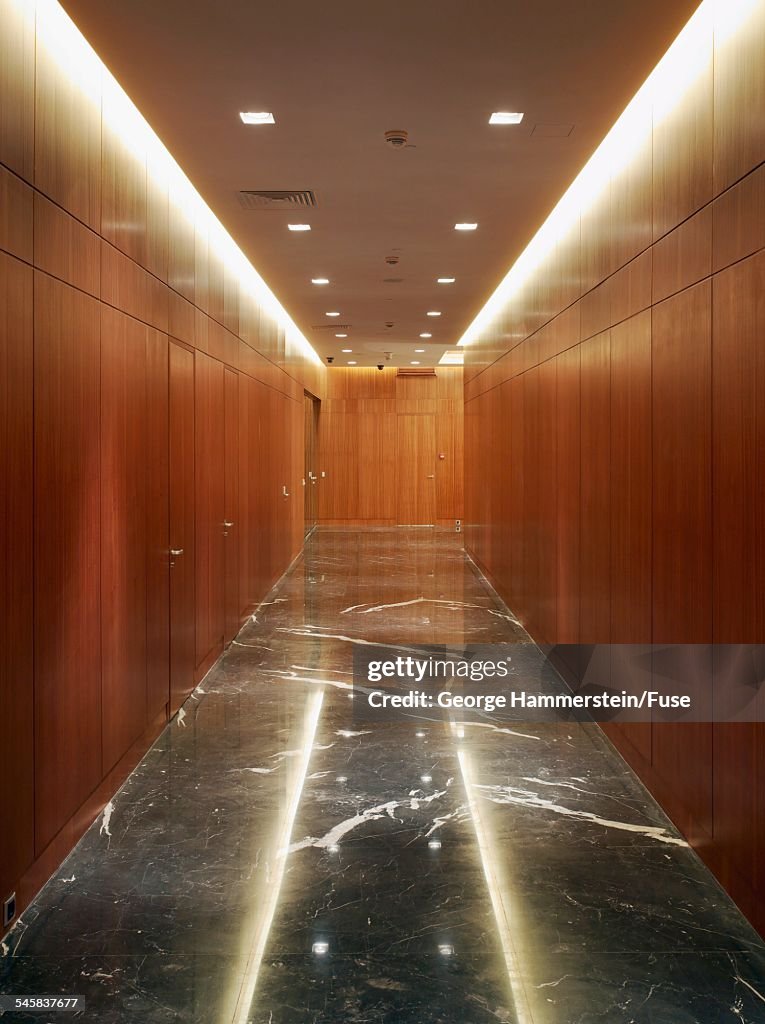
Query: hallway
<point>559,894</point>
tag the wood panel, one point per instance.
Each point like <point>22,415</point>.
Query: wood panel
<point>682,526</point>
<point>67,553</point>
<point>67,128</point>
<point>16,621</point>
<point>182,524</point>
<point>209,464</point>
<point>739,96</point>
<point>16,203</point>
<point>631,503</point>
<point>595,508</point>
<point>683,140</point>
<point>232,528</point>
<point>568,478</point>
<point>157,524</point>
<point>65,248</point>
<point>415,469</point>
<point>738,360</point>
<point>123,533</point>
<point>17,86</point>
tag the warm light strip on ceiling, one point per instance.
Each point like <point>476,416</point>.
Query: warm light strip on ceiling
<point>256,941</point>
<point>64,44</point>
<point>497,893</point>
<point>671,79</point>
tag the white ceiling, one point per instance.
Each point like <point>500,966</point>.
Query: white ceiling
<point>337,76</point>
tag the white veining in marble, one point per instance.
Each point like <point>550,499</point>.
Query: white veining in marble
<point>499,728</point>
<point>106,819</point>
<point>335,834</point>
<point>367,609</point>
<point>527,798</point>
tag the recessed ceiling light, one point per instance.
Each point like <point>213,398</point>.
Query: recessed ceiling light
<point>253,117</point>
<point>446,280</point>
<point>465,226</point>
<point>415,362</point>
<point>319,280</point>
<point>320,948</point>
<point>299,227</point>
<point>505,117</point>
<point>434,312</point>
<point>341,335</point>
<point>420,350</point>
<point>426,335</point>
<point>351,362</point>
<point>333,313</point>
<point>347,351</point>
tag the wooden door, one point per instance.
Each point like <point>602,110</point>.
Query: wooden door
<point>311,472</point>
<point>416,470</point>
<point>181,460</point>
<point>209,447</point>
<point>231,526</point>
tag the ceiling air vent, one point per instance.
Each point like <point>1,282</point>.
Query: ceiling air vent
<point>331,327</point>
<point>415,371</point>
<point>253,199</point>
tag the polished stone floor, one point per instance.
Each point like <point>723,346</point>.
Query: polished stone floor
<point>273,860</point>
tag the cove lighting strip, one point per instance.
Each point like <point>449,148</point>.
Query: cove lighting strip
<point>60,41</point>
<point>257,935</point>
<point>661,93</point>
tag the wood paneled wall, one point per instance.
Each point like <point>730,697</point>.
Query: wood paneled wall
<point>615,435</point>
<point>148,397</point>
<point>358,442</point>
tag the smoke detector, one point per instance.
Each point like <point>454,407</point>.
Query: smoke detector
<point>397,138</point>
<point>389,323</point>
<point>392,260</point>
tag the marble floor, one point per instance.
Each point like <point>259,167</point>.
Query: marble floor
<point>273,860</point>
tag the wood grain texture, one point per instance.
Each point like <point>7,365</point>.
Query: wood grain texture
<point>67,553</point>
<point>209,497</point>
<point>182,524</point>
<point>16,202</point>
<point>157,524</point>
<point>232,529</point>
<point>738,361</point>
<point>65,248</point>
<point>17,86</point>
<point>16,610</point>
<point>124,596</point>
<point>67,133</point>
<point>595,507</point>
<point>415,469</point>
<point>358,441</point>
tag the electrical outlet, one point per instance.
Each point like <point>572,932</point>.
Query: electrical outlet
<point>9,909</point>
<point>458,523</point>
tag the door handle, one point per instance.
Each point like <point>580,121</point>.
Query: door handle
<point>227,523</point>
<point>176,551</point>
<point>431,476</point>
<point>285,492</point>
